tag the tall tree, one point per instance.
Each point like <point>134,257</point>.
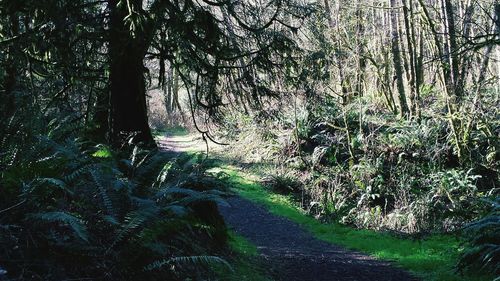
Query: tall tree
<point>127,50</point>
<point>396,59</point>
<point>413,66</point>
<point>205,49</point>
<point>451,46</point>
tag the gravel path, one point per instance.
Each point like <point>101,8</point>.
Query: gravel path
<point>292,253</point>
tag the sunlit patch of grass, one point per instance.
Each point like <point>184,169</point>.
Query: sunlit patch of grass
<point>245,262</point>
<point>241,245</point>
<point>433,258</point>
<point>102,152</point>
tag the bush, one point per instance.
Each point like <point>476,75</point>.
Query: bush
<point>283,183</point>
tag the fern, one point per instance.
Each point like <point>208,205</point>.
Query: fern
<point>103,193</point>
<point>56,183</point>
<point>191,196</point>
<point>187,260</point>
<point>147,169</point>
<point>164,174</point>
<point>175,209</point>
<point>129,217</point>
<point>78,172</point>
<point>202,197</point>
<point>484,250</point>
<point>175,190</point>
<point>134,220</point>
<point>74,223</point>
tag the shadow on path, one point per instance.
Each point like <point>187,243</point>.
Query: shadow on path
<point>290,252</point>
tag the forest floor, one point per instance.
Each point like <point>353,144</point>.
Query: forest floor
<point>286,249</point>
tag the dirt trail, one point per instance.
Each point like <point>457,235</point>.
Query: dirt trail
<point>290,252</point>
<point>183,143</point>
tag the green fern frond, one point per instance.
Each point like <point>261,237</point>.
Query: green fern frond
<point>103,193</point>
<point>175,209</point>
<point>150,166</point>
<point>175,190</point>
<point>188,260</point>
<point>202,197</point>
<point>75,223</point>
<point>77,173</point>
<point>484,250</point>
<point>191,196</point>
<point>164,174</point>
<point>134,220</point>
<point>55,182</point>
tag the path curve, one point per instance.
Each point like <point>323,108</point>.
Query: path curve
<point>293,254</point>
<point>290,252</point>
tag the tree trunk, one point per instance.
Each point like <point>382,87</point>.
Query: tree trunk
<point>495,29</point>
<point>360,50</point>
<point>465,61</point>
<point>451,48</point>
<point>127,84</point>
<point>100,133</point>
<point>412,58</point>
<point>168,91</point>
<point>175,92</point>
<point>497,24</point>
<point>396,59</point>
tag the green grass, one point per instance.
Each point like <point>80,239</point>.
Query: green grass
<point>433,258</point>
<point>245,261</point>
<point>241,245</point>
<point>103,152</point>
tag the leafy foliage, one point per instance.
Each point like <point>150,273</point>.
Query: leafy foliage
<point>107,215</point>
<point>484,250</point>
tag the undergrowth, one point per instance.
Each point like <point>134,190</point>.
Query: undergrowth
<point>360,166</point>
<point>431,258</point>
<point>71,209</point>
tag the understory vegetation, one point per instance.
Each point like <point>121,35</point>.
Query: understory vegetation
<point>402,178</point>
<point>403,175</point>
<point>73,209</point>
<point>382,136</point>
<point>378,118</point>
<point>431,258</point>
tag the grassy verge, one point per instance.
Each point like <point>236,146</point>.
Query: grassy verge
<point>244,261</point>
<point>433,258</point>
